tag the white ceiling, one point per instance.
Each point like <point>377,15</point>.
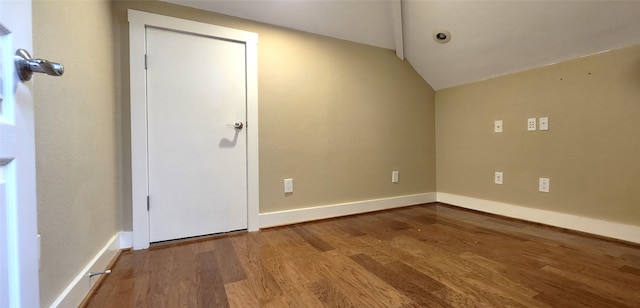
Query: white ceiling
<point>488,38</point>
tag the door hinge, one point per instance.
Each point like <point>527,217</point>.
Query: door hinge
<point>145,61</point>
<point>148,203</point>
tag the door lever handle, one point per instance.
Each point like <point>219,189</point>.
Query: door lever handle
<point>26,66</point>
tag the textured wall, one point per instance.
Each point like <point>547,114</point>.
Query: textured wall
<point>590,152</point>
<point>335,116</point>
<point>75,138</point>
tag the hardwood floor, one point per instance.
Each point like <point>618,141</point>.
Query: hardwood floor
<point>422,256</point>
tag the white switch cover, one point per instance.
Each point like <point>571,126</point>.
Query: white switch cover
<point>497,126</point>
<point>543,185</point>
<point>394,177</point>
<point>288,186</point>
<point>498,178</point>
<point>531,124</point>
<point>544,123</point>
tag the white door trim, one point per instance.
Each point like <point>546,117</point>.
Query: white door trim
<point>138,21</point>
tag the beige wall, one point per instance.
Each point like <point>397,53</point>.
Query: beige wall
<point>335,116</point>
<point>75,138</point>
<point>590,152</point>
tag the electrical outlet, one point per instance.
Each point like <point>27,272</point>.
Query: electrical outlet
<point>288,186</point>
<point>543,185</point>
<point>497,126</point>
<point>498,177</point>
<point>531,124</point>
<point>394,176</point>
<point>544,123</point>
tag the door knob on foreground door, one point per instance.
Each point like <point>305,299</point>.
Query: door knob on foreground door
<point>26,66</point>
<point>238,125</point>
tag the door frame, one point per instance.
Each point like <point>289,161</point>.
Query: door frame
<point>138,21</point>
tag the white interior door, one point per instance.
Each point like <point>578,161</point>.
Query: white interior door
<point>18,222</point>
<point>196,92</point>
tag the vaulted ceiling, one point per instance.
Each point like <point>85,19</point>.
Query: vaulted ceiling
<point>488,38</point>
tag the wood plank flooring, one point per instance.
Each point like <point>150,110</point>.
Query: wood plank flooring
<point>422,256</point>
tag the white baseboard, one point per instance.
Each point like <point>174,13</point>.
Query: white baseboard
<point>280,218</point>
<point>78,289</point>
<point>629,233</point>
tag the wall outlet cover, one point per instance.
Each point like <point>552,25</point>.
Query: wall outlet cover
<point>544,123</point>
<point>543,185</point>
<point>394,176</point>
<point>288,186</point>
<point>497,126</point>
<point>531,124</point>
<point>498,178</point>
